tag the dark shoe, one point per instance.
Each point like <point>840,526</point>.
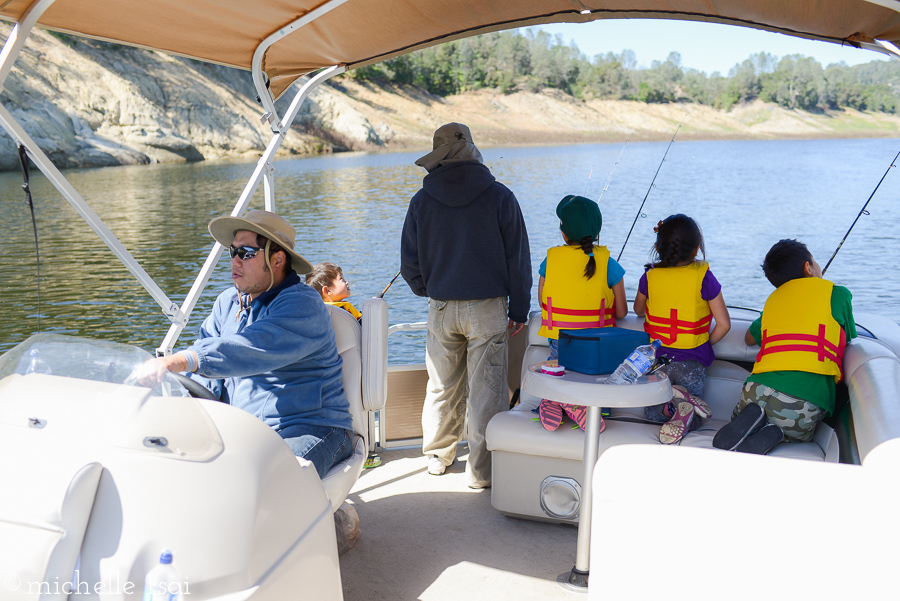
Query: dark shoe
<point>762,441</point>
<point>748,421</point>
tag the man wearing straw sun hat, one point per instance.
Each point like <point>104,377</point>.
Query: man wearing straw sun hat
<point>268,346</point>
<point>464,246</point>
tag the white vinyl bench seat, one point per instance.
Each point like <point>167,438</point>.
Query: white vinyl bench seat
<point>525,455</point>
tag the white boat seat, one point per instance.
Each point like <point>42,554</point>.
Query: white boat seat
<point>363,350</point>
<point>525,454</point>
<point>58,501</point>
<point>47,518</point>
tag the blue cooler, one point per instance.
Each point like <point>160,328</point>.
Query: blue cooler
<point>597,350</point>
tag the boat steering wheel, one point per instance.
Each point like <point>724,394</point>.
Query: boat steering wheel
<point>194,388</point>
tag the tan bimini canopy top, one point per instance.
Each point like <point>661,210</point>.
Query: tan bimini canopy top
<point>354,33</point>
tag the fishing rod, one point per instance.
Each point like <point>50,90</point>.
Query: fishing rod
<point>388,286</point>
<point>639,214</point>
<point>862,212</point>
<point>26,186</point>
<point>602,192</point>
<point>588,183</point>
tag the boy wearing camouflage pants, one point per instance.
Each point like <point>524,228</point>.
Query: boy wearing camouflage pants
<point>802,332</point>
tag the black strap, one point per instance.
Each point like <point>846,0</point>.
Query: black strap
<point>25,163</point>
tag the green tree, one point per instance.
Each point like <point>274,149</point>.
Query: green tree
<point>510,60</point>
<point>797,82</point>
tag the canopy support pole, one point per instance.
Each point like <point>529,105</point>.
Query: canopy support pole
<point>269,187</point>
<point>890,49</point>
<point>19,35</point>
<point>256,66</point>
<point>262,171</point>
<point>10,52</point>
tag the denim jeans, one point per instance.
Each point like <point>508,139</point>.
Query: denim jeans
<point>466,357</point>
<point>325,446</point>
<point>690,374</point>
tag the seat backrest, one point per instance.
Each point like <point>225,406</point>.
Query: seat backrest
<point>363,350</point>
<point>374,353</point>
<point>724,379</point>
<point>348,336</point>
<point>872,374</point>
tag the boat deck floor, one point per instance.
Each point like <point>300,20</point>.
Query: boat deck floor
<point>433,538</point>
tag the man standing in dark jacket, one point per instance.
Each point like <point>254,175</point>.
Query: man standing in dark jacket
<point>465,247</point>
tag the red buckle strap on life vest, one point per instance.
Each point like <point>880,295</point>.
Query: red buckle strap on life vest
<point>822,347</point>
<point>667,329</point>
<point>604,316</point>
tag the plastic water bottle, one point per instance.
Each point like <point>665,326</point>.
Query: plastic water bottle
<point>635,365</point>
<point>163,582</point>
<point>37,365</point>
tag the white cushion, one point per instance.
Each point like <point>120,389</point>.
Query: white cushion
<point>374,353</point>
<point>364,354</point>
<point>342,476</point>
<point>872,373</point>
<point>44,522</point>
<point>348,336</point>
<point>516,431</point>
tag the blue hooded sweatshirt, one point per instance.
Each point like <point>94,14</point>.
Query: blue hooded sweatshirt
<point>277,360</point>
<point>464,238</point>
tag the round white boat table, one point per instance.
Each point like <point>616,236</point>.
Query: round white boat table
<point>588,390</point>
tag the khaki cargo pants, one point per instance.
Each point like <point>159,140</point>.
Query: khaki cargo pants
<point>466,357</point>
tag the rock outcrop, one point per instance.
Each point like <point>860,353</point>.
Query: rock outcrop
<point>89,104</point>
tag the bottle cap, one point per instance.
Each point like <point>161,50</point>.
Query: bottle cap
<point>166,557</point>
<point>656,343</point>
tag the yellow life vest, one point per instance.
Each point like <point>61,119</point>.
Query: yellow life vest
<point>570,301</point>
<point>347,307</point>
<point>676,313</point>
<point>799,333</point>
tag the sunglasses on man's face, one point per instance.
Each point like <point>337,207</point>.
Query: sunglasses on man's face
<point>243,252</point>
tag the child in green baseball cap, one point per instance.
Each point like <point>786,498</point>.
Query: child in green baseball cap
<point>581,286</point>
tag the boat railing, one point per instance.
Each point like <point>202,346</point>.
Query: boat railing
<point>398,424</point>
<point>405,327</point>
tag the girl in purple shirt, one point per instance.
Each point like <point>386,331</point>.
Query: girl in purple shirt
<point>678,241</point>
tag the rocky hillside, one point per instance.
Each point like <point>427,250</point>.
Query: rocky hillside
<point>91,104</point>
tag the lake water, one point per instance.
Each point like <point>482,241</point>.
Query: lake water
<point>349,209</point>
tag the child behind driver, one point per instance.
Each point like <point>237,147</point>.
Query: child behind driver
<point>329,280</point>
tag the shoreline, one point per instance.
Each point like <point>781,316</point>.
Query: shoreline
<point>392,118</point>
<point>70,97</point>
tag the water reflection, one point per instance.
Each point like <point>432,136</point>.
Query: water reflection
<point>349,209</point>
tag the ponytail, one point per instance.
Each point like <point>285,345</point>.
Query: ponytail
<point>677,239</point>
<point>587,245</point>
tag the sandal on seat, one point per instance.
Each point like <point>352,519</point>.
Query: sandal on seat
<point>578,413</point>
<point>749,420</point>
<point>762,441</point>
<point>551,414</point>
<point>674,430</point>
<point>700,407</point>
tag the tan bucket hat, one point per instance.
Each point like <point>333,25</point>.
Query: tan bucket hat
<point>270,225</point>
<point>452,144</point>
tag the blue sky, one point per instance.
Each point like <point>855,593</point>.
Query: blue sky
<point>705,46</point>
